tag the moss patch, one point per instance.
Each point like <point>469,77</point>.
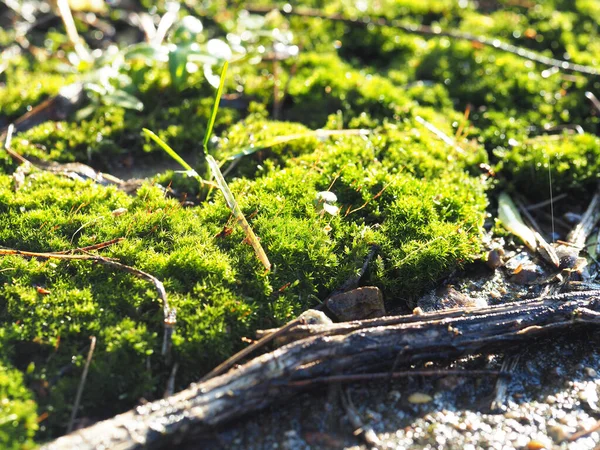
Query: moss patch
<point>398,186</point>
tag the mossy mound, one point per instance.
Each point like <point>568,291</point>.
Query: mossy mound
<point>424,230</point>
<point>431,112</point>
<point>572,162</point>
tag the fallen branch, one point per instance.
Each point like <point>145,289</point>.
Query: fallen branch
<point>346,348</point>
<point>424,30</point>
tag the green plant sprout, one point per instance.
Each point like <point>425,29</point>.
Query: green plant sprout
<point>216,172</point>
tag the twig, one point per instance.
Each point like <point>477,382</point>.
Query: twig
<point>508,366</point>
<point>82,384</point>
<point>7,146</point>
<point>532,222</point>
<point>583,229</point>
<point>64,11</point>
<point>376,196</point>
<point>170,390</point>
<point>592,98</point>
<point>424,30</point>
<point>169,313</point>
<point>97,246</point>
<point>224,366</point>
<point>585,432</point>
<point>353,378</point>
<point>365,431</point>
<point>546,202</point>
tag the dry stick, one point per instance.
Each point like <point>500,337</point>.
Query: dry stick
<point>97,246</point>
<point>337,348</point>
<point>64,11</point>
<point>424,30</point>
<point>583,229</point>
<point>226,365</point>
<point>545,203</point>
<point>585,432</point>
<point>532,222</point>
<point>592,98</point>
<point>7,146</point>
<point>353,378</point>
<point>169,313</point>
<point>82,384</point>
<point>170,390</point>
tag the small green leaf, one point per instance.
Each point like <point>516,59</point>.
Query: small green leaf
<point>146,52</point>
<point>122,99</point>
<point>177,61</point>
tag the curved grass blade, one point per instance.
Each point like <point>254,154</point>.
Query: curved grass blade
<point>173,154</point>
<point>214,168</point>
<point>215,108</point>
<point>237,213</point>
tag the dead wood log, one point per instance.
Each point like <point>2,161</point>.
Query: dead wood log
<point>335,349</point>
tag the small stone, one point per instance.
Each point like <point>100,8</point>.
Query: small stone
<point>315,317</point>
<point>590,372</point>
<point>394,395</point>
<point>536,445</point>
<point>418,398</point>
<point>119,212</point>
<point>494,259</point>
<point>558,433</point>
<point>361,303</point>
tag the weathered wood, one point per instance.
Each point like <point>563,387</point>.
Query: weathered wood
<point>335,349</point>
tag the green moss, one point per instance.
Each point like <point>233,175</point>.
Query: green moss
<point>213,277</point>
<point>573,161</point>
<point>22,87</point>
<point>400,187</point>
<point>18,417</point>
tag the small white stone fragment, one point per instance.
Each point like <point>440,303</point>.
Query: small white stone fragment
<point>418,398</point>
<point>119,212</point>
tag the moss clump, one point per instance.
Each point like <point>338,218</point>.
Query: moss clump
<point>18,418</point>
<point>112,134</point>
<point>210,273</point>
<point>573,162</point>
<point>400,187</point>
<point>24,85</point>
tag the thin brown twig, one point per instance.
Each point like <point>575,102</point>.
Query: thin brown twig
<point>585,432</point>
<point>97,246</point>
<point>545,203</point>
<point>225,365</point>
<point>81,384</point>
<point>7,146</point>
<point>368,201</point>
<point>435,31</point>
<point>169,313</point>
<point>360,429</point>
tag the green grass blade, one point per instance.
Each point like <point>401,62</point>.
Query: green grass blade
<point>237,213</point>
<point>172,153</point>
<point>213,114</point>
